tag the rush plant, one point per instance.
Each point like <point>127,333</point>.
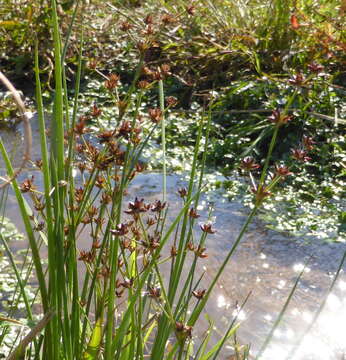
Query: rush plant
<point>113,299</point>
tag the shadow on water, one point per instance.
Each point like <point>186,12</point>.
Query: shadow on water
<point>265,264</point>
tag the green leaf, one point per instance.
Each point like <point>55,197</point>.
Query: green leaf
<point>215,348</point>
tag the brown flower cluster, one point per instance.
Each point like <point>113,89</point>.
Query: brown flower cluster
<point>207,228</point>
<point>279,118</point>
<point>27,185</point>
<point>261,193</point>
<point>301,154</point>
<point>182,331</point>
<point>298,79</point>
<point>112,82</point>
<point>249,164</point>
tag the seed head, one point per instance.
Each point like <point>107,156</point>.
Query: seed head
<point>146,71</point>
<point>39,226</point>
<point>171,101</point>
<point>137,206</point>
<point>80,127</point>
<point>80,148</point>
<point>199,294</point>
<point>149,19</point>
<point>143,84</point>
<point>168,19</point>
<point>112,81</point>
<point>315,68</point>
<point>125,26</point>
<point>249,164</point>
<point>127,283</point>
<point>124,130</point>
<point>158,206</point>
<point>174,251</point>
<point>95,112</point>
<point>200,252</point>
<point>154,292</point>
<point>165,69</point>
<point>193,213</point>
<point>86,256</point>
<point>190,246</point>
<point>182,331</point>
<point>142,46</point>
<point>182,192</point>
<point>308,142</point>
<point>261,194</point>
<point>92,211</point>
<point>92,64</point>
<point>27,185</point>
<point>78,194</point>
<point>105,198</point>
<point>39,205</point>
<point>298,79</point>
<point>279,118</point>
<point>140,167</point>
<point>207,228</point>
<point>151,221</point>
<point>149,30</point>
<point>122,229</point>
<point>191,10</point>
<point>39,163</point>
<point>122,105</point>
<point>155,115</point>
<point>300,155</point>
<point>282,170</point>
<point>96,244</point>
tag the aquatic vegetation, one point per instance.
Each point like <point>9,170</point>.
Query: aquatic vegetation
<point>101,262</point>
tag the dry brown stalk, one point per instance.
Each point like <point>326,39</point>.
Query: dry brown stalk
<point>27,127</point>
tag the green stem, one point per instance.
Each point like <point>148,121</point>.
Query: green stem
<point>163,137</point>
<point>270,151</point>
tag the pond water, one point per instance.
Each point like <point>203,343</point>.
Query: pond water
<point>266,264</point>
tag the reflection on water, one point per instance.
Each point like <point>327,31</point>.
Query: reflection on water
<point>326,341</point>
<point>266,265</point>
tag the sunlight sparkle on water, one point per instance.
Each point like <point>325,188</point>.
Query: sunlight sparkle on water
<point>221,301</point>
<point>281,284</point>
<point>299,267</point>
<point>307,316</point>
<point>239,314</point>
<point>268,317</point>
<point>290,334</point>
<point>326,340</point>
<point>342,285</point>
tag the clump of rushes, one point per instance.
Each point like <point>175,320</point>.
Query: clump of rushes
<point>263,188</point>
<point>121,305</point>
